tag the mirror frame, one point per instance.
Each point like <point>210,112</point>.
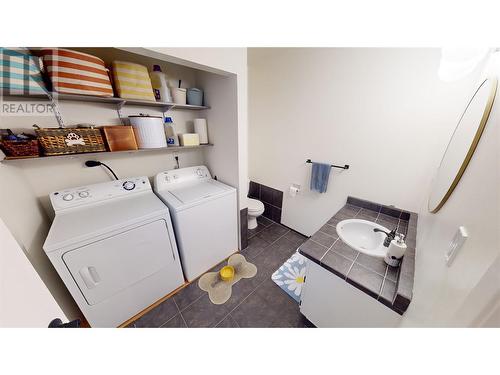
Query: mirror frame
<point>473,146</point>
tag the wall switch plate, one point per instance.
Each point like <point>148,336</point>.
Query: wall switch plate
<point>455,245</point>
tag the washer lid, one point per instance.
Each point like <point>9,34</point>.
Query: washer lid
<point>197,192</point>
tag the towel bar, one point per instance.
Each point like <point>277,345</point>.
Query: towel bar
<point>346,166</point>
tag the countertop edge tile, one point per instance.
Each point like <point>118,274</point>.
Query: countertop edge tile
<point>368,276</point>
<point>344,264</point>
<point>308,256</point>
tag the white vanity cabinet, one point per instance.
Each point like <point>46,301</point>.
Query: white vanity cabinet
<point>329,301</point>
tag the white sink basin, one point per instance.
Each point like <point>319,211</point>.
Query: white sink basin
<point>359,235</point>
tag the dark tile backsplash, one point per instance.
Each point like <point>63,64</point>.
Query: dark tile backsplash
<point>266,194</point>
<point>277,198</point>
<point>364,204</point>
<point>390,211</point>
<point>272,199</point>
<point>386,210</point>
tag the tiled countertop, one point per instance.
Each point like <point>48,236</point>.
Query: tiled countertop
<point>392,286</point>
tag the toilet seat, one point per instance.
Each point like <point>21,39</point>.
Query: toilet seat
<point>255,205</point>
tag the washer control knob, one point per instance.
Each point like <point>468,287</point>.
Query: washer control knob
<point>68,197</point>
<point>83,194</point>
<point>128,185</point>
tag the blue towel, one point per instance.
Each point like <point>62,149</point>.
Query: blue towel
<point>319,176</point>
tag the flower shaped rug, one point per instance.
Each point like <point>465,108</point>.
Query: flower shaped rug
<point>291,275</point>
<point>219,290</point>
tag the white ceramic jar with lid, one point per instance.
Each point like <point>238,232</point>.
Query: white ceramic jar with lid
<point>148,130</point>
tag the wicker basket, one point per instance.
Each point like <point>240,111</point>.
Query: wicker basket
<point>20,149</point>
<point>63,141</point>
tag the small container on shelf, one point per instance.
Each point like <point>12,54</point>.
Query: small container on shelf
<point>200,127</point>
<point>172,137</point>
<point>179,95</point>
<point>19,146</point>
<point>189,139</point>
<point>159,82</point>
<point>194,96</point>
<point>119,137</point>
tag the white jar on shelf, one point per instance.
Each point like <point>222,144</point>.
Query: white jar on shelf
<point>149,131</point>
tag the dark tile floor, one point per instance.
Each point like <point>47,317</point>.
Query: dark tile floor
<point>257,302</point>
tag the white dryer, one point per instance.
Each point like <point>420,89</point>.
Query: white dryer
<point>113,245</point>
<point>205,217</point>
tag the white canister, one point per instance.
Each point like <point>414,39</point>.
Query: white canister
<point>149,131</point>
<point>200,127</point>
<point>179,95</point>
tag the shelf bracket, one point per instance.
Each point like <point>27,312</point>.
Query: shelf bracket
<point>55,109</point>
<point>119,107</point>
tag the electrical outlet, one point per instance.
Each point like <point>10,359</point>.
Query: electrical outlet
<point>175,154</point>
<point>455,245</point>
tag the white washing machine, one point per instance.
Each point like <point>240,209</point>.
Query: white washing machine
<point>205,217</point>
<point>113,245</point>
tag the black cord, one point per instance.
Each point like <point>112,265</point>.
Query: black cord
<point>113,173</point>
<point>96,163</point>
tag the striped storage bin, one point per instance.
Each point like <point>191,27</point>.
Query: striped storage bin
<point>20,72</point>
<point>73,72</point>
<point>132,81</point>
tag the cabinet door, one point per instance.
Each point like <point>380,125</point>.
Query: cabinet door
<point>329,301</point>
<point>107,267</point>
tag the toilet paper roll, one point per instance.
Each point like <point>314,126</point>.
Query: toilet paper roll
<point>200,127</point>
<point>293,191</point>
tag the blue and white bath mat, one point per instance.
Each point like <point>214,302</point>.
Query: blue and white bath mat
<point>290,276</point>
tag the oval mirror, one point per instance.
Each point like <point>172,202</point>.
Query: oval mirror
<point>462,145</point>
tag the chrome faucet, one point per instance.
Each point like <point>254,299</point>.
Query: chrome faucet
<point>389,235</point>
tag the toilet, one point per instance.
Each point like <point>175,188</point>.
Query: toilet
<point>255,209</point>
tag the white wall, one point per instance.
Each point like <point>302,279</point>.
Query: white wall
<point>464,293</point>
<point>222,121</point>
<point>481,307</point>
<point>383,111</point>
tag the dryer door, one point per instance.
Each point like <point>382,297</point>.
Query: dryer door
<point>105,268</point>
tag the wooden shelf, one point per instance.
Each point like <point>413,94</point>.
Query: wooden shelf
<point>8,160</point>
<point>103,100</point>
